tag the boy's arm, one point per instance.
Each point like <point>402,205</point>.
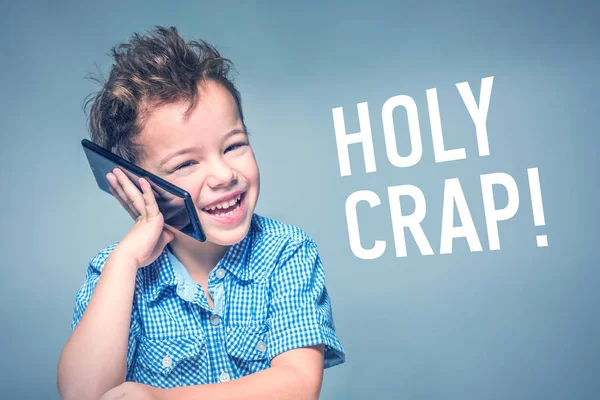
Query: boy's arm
<point>94,358</point>
<point>294,375</point>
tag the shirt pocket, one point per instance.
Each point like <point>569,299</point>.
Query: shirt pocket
<point>247,346</point>
<point>171,362</point>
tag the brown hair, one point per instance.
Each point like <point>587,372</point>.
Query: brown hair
<point>150,71</point>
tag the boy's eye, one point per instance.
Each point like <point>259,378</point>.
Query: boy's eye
<point>184,165</point>
<point>234,146</point>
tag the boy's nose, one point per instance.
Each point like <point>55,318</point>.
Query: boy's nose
<point>220,174</point>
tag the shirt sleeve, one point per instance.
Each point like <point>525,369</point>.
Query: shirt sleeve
<point>84,295</point>
<point>300,313</point>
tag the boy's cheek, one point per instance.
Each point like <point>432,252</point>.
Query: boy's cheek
<point>253,172</point>
<point>191,184</point>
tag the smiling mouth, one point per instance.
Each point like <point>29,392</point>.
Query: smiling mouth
<point>225,208</point>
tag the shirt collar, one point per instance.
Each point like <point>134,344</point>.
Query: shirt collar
<point>161,275</point>
<point>237,257</point>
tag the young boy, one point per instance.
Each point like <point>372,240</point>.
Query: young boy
<point>244,315</point>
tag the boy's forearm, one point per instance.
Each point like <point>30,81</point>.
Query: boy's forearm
<point>275,383</point>
<point>95,356</point>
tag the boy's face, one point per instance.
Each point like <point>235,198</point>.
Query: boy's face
<point>208,155</point>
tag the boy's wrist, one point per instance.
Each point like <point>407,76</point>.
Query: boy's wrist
<point>121,257</point>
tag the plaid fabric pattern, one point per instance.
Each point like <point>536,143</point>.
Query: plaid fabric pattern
<point>269,297</point>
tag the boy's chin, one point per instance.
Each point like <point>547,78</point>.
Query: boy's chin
<point>227,236</point>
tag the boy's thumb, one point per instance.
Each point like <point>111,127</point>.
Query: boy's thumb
<point>166,237</point>
<point>170,236</point>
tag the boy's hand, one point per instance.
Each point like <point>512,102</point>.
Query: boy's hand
<point>134,391</point>
<point>148,237</point>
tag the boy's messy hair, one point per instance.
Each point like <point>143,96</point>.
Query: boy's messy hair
<point>149,71</point>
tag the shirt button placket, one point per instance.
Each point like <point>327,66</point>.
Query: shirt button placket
<point>215,319</point>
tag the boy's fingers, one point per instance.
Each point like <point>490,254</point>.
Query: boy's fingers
<point>149,200</point>
<point>133,196</point>
<point>123,204</point>
<point>117,191</point>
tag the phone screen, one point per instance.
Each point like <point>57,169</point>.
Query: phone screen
<point>177,212</point>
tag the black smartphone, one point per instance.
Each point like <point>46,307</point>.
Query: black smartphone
<point>174,203</point>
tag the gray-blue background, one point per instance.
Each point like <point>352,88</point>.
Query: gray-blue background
<point>519,323</point>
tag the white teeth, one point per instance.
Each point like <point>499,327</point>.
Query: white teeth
<point>225,204</point>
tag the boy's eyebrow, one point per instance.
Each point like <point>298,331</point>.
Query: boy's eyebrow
<point>174,154</point>
<point>235,131</point>
<point>191,149</point>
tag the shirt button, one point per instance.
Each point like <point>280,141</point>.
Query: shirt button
<point>220,273</point>
<point>224,377</point>
<point>261,346</point>
<point>214,319</point>
<point>167,362</point>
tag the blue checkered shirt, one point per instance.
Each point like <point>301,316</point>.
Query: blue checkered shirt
<point>269,297</point>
